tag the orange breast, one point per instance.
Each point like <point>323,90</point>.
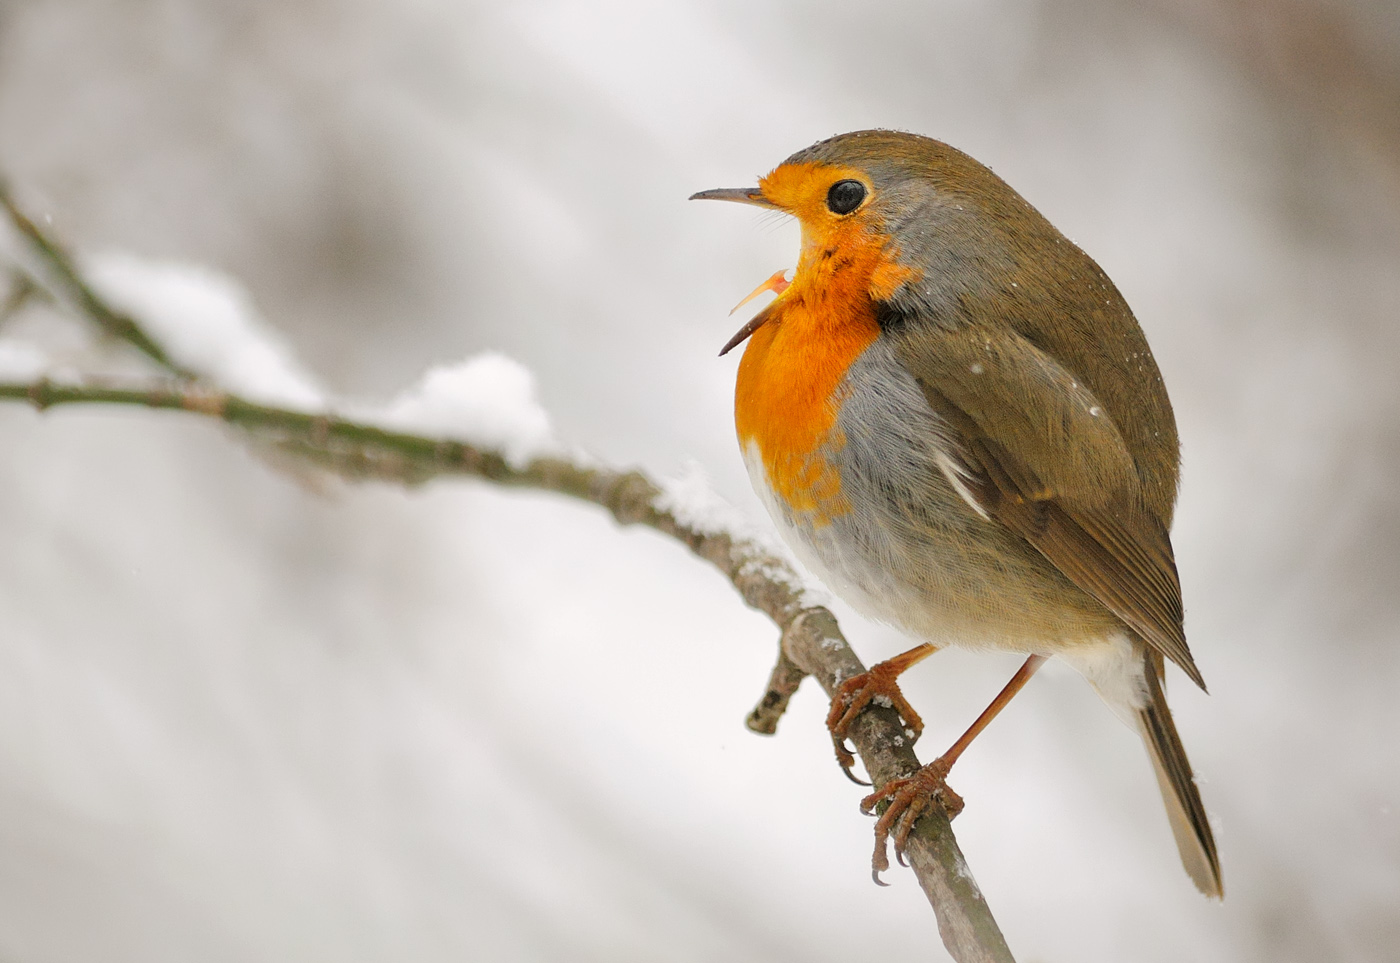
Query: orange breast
<point>788,392</point>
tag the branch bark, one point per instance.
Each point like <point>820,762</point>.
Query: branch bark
<point>811,642</point>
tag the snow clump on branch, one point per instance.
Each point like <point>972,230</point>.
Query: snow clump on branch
<point>487,400</point>
<point>21,361</point>
<point>205,321</point>
<point>693,501</point>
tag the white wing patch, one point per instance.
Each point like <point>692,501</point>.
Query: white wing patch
<point>958,477</point>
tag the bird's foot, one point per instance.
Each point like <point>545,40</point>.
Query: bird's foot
<point>909,798</point>
<point>877,685</point>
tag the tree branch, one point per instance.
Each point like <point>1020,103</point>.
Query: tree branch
<point>811,642</point>
<point>55,260</point>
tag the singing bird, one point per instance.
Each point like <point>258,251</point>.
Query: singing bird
<point>956,422</point>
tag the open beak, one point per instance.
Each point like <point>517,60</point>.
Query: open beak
<point>777,283</point>
<point>742,195</point>
<point>742,335</point>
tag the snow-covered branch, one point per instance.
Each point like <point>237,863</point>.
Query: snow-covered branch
<point>478,419</point>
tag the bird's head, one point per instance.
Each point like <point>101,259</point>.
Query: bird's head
<point>905,222</point>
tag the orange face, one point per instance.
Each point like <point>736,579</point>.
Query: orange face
<point>788,390</point>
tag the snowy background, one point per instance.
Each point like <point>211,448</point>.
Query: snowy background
<point>243,720</point>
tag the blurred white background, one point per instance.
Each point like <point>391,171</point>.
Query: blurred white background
<point>242,721</point>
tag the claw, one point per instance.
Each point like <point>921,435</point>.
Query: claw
<point>879,862</point>
<point>846,760</point>
<point>880,685</point>
<point>854,778</point>
<point>909,799</point>
<point>854,696</point>
<point>868,804</point>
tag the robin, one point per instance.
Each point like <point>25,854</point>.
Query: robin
<point>955,420</point>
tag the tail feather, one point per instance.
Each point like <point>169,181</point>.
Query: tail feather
<point>1185,810</point>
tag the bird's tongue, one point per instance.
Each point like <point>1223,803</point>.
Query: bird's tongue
<point>778,283</point>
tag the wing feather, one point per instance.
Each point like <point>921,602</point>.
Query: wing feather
<point>1037,453</point>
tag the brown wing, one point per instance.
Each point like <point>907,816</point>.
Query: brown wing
<point>1039,454</point>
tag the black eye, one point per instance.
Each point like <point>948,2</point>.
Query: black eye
<point>845,196</point>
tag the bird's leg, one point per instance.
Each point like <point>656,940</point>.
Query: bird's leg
<point>877,685</point>
<point>909,797</point>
